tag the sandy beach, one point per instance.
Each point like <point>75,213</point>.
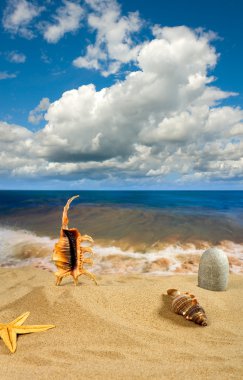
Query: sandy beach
<point>122,329</point>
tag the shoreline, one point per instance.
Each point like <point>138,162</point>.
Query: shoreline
<point>20,247</point>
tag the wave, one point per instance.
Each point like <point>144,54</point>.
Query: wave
<point>22,247</point>
<point>19,247</point>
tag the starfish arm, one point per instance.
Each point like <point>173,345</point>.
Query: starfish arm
<point>31,329</point>
<point>9,331</point>
<point>9,337</point>
<point>20,320</point>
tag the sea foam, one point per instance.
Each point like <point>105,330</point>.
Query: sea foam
<point>20,247</point>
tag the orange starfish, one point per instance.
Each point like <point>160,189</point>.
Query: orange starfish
<point>9,331</point>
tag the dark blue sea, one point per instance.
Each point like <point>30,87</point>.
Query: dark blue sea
<point>161,231</point>
<point>198,202</point>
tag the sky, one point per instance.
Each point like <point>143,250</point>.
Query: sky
<point>101,94</point>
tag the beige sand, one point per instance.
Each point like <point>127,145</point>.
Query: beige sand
<point>121,329</point>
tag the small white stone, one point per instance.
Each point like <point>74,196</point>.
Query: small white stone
<point>213,270</point>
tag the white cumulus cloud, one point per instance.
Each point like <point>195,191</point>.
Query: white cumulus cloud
<point>37,114</point>
<point>67,19</point>
<point>6,75</point>
<point>114,44</point>
<point>164,120</point>
<point>18,15</point>
<point>16,57</point>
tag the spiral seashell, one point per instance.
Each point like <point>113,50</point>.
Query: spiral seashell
<point>187,305</point>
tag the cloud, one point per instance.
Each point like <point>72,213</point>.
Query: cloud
<point>114,44</point>
<point>45,58</point>
<point>164,122</point>
<point>16,57</point>
<point>140,106</point>
<point>67,19</point>
<point>13,143</point>
<point>18,16</point>
<point>37,114</point>
<point>6,75</point>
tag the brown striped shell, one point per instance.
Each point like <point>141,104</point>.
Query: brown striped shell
<point>68,254</point>
<point>187,305</point>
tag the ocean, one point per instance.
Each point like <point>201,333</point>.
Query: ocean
<point>151,232</point>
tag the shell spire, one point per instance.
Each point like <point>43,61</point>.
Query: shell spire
<point>187,305</point>
<point>65,212</point>
<point>68,254</point>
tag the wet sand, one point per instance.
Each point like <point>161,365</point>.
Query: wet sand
<point>122,329</point>
<point>136,229</point>
<point>127,240</point>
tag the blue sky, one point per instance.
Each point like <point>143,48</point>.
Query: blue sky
<point>100,94</point>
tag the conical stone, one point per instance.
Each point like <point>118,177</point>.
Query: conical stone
<point>213,270</point>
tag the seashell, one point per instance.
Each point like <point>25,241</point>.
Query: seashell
<point>187,305</point>
<point>213,270</point>
<point>68,254</point>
